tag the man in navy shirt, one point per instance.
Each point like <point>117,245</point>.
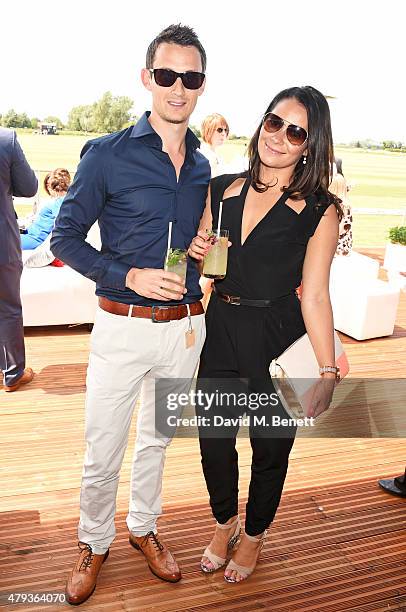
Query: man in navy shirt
<point>134,183</point>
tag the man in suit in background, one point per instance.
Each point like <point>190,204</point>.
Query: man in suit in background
<point>16,179</point>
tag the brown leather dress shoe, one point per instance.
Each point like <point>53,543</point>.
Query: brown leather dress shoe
<point>25,379</point>
<point>82,579</point>
<point>160,560</point>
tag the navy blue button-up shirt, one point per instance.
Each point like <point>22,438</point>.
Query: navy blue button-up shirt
<point>127,183</point>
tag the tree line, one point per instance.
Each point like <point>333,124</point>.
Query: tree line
<point>389,145</point>
<point>108,114</point>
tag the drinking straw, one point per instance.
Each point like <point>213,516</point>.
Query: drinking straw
<point>169,237</point>
<point>219,221</point>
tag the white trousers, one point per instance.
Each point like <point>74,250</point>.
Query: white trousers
<point>126,355</point>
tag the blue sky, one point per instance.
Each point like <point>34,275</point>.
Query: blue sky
<point>57,55</point>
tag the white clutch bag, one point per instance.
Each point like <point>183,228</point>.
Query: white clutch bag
<point>296,372</point>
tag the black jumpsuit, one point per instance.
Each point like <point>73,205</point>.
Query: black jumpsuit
<point>242,340</point>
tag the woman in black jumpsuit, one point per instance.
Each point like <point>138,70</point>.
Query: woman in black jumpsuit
<point>271,212</point>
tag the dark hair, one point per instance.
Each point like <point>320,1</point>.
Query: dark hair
<point>58,181</point>
<point>339,165</point>
<point>176,34</point>
<point>312,178</point>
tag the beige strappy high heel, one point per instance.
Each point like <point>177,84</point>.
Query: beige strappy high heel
<point>217,561</point>
<point>241,569</point>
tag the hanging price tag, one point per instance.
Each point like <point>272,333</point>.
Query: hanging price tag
<point>190,333</point>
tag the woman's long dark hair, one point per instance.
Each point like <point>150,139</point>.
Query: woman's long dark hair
<point>314,177</point>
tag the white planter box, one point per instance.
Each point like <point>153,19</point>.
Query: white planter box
<point>395,257</point>
<point>397,279</point>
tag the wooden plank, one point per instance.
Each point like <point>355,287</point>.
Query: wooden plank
<point>338,542</point>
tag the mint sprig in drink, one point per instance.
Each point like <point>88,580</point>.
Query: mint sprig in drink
<point>176,261</point>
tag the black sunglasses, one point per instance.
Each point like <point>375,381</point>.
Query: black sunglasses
<point>273,123</point>
<point>164,77</point>
<point>221,130</point>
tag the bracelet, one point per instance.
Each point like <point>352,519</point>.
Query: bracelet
<point>334,369</point>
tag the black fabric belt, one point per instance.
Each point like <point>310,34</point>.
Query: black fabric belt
<point>238,301</point>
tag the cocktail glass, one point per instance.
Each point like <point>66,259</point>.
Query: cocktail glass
<point>215,262</point>
<point>176,261</point>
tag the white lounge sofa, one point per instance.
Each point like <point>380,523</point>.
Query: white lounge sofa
<point>58,296</point>
<point>354,265</point>
<point>363,306</point>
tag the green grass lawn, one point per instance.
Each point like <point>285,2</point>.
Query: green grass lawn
<point>373,230</point>
<point>46,153</point>
<point>377,178</point>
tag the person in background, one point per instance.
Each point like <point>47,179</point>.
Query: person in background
<point>16,179</point>
<point>56,184</point>
<point>215,132</point>
<point>340,188</point>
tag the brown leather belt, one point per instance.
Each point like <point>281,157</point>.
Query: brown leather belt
<point>157,314</point>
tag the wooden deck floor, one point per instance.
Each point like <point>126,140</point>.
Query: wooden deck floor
<point>338,542</point>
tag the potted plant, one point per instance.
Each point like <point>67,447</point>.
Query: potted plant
<point>395,253</point>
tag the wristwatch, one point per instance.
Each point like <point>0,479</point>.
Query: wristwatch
<point>334,369</point>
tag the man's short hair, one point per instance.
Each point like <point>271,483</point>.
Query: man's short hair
<point>176,34</point>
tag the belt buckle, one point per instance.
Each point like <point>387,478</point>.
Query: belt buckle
<point>233,299</point>
<point>153,316</point>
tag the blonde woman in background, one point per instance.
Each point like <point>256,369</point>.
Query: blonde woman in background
<point>215,132</point>
<point>340,188</point>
